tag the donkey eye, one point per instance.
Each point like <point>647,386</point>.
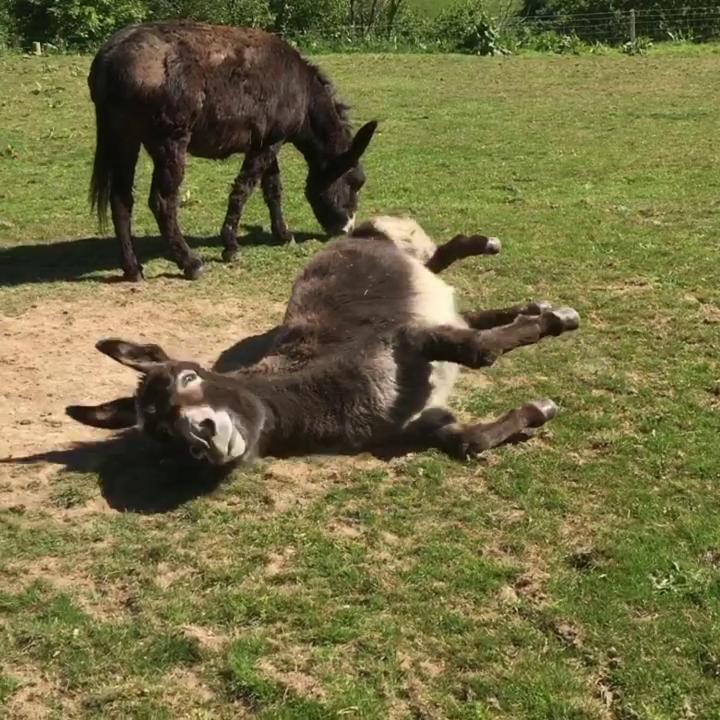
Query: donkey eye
<point>187,377</point>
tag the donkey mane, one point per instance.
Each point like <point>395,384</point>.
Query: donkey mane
<point>341,108</point>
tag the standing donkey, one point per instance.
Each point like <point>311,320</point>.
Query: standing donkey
<point>367,354</point>
<point>213,91</point>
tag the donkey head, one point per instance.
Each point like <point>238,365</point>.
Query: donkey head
<point>178,403</point>
<point>332,187</point>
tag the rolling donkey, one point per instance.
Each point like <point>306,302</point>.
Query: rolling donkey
<point>213,91</point>
<point>367,355</point>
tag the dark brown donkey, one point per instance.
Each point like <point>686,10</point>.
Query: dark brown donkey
<point>213,91</point>
<point>367,355</point>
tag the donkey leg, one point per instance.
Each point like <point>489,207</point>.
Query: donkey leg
<point>476,349</point>
<point>484,436</point>
<point>438,427</point>
<point>169,160</point>
<point>252,169</point>
<point>486,319</point>
<point>272,192</point>
<point>124,159</point>
<point>460,247</point>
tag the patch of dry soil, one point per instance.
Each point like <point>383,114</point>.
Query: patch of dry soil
<point>48,361</point>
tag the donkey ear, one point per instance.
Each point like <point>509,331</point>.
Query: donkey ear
<point>350,158</point>
<point>138,357</point>
<point>114,415</point>
<point>362,140</point>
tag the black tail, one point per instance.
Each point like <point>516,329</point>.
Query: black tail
<point>102,167</point>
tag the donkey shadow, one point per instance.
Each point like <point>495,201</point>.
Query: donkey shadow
<point>136,475</point>
<point>80,260</point>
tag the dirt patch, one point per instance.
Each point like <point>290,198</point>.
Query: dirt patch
<point>205,637</point>
<point>183,689</point>
<point>47,361</point>
<point>296,483</point>
<point>345,528</point>
<point>293,681</point>
<point>50,570</point>
<point>104,602</point>
<point>36,697</point>
<point>277,563</point>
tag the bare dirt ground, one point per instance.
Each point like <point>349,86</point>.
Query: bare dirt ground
<point>48,361</point>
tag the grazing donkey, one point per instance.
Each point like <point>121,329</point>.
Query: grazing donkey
<point>367,354</point>
<point>213,91</point>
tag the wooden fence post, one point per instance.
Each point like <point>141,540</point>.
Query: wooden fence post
<point>632,25</point>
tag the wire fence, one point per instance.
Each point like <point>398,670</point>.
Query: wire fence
<point>698,24</point>
<point>556,32</point>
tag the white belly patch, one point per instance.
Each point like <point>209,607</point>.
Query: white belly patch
<point>434,304</point>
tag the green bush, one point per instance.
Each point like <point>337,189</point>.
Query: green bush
<point>467,28</point>
<point>293,17</point>
<point>76,23</point>
<point>7,25</point>
<point>254,13</point>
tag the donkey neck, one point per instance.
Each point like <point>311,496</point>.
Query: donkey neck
<point>325,132</point>
<point>319,406</point>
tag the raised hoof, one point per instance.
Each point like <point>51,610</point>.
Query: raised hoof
<point>538,307</point>
<point>559,320</point>
<point>493,246</point>
<point>229,255</point>
<point>567,317</point>
<point>193,269</point>
<point>541,411</point>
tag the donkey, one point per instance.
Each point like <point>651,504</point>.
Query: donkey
<point>213,91</point>
<point>367,354</point>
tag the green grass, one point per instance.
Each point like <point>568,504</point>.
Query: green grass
<point>576,576</point>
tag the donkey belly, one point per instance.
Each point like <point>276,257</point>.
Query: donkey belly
<point>219,140</point>
<point>434,304</point>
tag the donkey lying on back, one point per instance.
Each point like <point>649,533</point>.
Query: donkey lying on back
<point>367,354</point>
<point>213,91</point>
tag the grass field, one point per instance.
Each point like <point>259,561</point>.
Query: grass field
<point>576,576</point>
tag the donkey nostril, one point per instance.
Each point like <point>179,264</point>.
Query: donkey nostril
<point>208,427</point>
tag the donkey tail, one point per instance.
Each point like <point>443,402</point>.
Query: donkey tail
<point>102,167</point>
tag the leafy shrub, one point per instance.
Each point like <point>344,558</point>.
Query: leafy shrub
<point>77,23</point>
<point>639,47</point>
<point>254,13</point>
<point>467,28</point>
<point>302,16</point>
<point>7,24</point>
<point>554,42</point>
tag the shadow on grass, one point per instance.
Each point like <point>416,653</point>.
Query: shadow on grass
<point>137,475</point>
<point>78,260</point>
<point>134,476</point>
<point>246,352</point>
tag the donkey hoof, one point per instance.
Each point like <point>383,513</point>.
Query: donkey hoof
<point>134,275</point>
<point>193,270</point>
<point>229,254</point>
<point>567,318</point>
<point>537,307</point>
<point>541,411</point>
<point>282,236</point>
<point>493,246</point>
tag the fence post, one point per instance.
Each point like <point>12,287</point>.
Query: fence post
<point>632,25</point>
